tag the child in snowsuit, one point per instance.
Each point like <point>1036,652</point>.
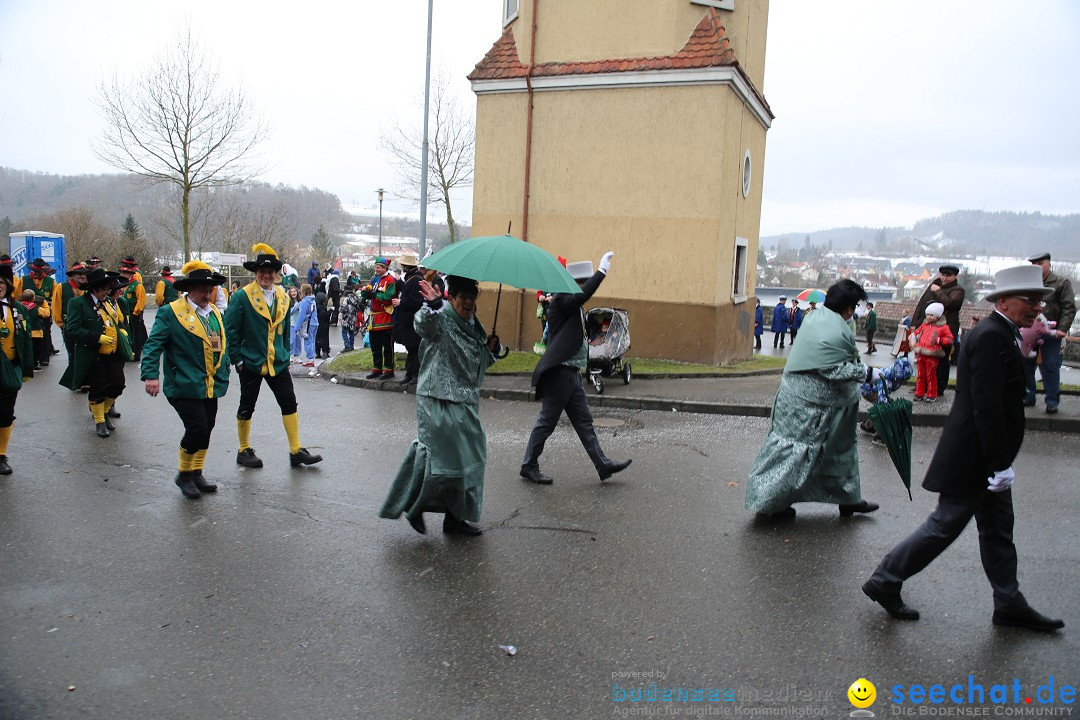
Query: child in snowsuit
<point>933,337</point>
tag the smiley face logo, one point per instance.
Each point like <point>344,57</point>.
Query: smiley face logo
<point>862,693</point>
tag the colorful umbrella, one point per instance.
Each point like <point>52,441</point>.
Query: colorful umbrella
<point>504,259</point>
<point>811,295</point>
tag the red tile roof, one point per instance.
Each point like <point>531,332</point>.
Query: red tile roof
<point>708,46</point>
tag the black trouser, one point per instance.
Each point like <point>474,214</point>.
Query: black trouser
<point>322,339</point>
<point>7,408</point>
<point>561,389</point>
<point>46,327</point>
<point>198,417</point>
<point>250,384</point>
<point>943,373</point>
<point>793,332</point>
<point>993,513</point>
<point>138,335</point>
<point>106,378</point>
<point>778,337</point>
<point>870,340</point>
<point>382,349</point>
<point>41,351</point>
<point>757,342</point>
<point>412,360</point>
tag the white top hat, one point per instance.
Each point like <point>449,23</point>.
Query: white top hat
<point>1021,280</point>
<point>584,270</point>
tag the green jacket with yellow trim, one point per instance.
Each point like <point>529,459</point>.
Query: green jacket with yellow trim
<point>258,336</point>
<point>84,326</point>
<point>193,371</point>
<point>24,348</point>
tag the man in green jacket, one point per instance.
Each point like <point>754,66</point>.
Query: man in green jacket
<point>257,327</point>
<point>190,333</point>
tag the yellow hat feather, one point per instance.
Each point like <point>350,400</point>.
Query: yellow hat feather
<point>263,249</point>
<point>194,265</point>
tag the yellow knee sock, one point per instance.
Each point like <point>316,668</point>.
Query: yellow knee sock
<point>243,432</point>
<point>292,430</point>
<point>5,437</point>
<point>98,410</point>
<point>199,460</point>
<point>186,461</point>
<point>109,403</point>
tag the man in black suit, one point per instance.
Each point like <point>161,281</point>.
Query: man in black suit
<point>972,465</point>
<point>557,377</point>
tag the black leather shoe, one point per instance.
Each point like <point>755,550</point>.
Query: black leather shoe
<point>1051,409</point>
<point>5,469</point>
<point>102,430</point>
<point>1027,618</point>
<point>373,375</point>
<point>108,424</point>
<point>303,457</point>
<point>452,526</point>
<point>247,458</point>
<point>534,475</point>
<point>892,602</point>
<point>113,412</point>
<point>860,507</point>
<point>417,523</point>
<point>406,380</point>
<point>202,483</point>
<point>611,468</point>
<point>187,486</point>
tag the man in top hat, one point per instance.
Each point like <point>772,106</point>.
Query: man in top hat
<point>942,289</point>
<point>795,316</point>
<point>557,377</point>
<point>135,295</point>
<point>165,291</point>
<point>1061,309</point>
<point>257,329</point>
<point>39,280</point>
<point>779,325</point>
<point>972,465</point>
<point>407,304</point>
<point>93,324</point>
<point>380,293</point>
<point>190,333</point>
<point>62,296</point>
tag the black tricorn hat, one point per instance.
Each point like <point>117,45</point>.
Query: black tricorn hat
<point>39,265</point>
<point>265,257</point>
<point>197,272</point>
<point>121,281</point>
<point>97,277</point>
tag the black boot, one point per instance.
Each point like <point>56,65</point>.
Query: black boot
<point>113,412</point>
<point>108,423</point>
<point>186,483</point>
<point>303,457</point>
<point>202,483</point>
<point>5,469</point>
<point>102,430</point>
<point>417,523</point>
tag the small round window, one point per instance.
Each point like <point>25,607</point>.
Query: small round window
<point>747,174</point>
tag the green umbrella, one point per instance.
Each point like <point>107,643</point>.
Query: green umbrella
<point>503,259</point>
<point>892,422</point>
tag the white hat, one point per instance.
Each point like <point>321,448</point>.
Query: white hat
<point>584,270</point>
<point>935,309</point>
<point>1022,280</point>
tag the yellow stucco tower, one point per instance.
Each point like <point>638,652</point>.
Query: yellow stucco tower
<point>637,126</point>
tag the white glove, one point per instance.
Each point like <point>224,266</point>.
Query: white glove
<point>605,262</point>
<point>1002,480</point>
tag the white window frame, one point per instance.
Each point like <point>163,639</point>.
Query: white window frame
<point>746,174</point>
<point>508,15</point>
<point>738,270</point>
<point>718,4</point>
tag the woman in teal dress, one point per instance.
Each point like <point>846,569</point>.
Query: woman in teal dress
<point>810,453</point>
<point>443,471</point>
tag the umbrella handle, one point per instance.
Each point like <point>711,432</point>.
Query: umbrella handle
<point>498,299</point>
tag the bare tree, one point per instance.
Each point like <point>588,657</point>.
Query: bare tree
<point>178,125</point>
<point>451,146</point>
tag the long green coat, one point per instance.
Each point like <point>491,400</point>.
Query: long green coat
<point>84,326</point>
<point>24,346</point>
<point>258,335</point>
<point>443,470</point>
<point>193,371</point>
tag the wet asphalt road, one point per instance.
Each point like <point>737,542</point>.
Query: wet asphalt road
<point>285,596</point>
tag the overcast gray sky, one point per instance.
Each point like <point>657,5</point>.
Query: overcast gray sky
<point>886,112</point>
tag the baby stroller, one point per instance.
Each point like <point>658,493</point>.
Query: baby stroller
<point>608,333</point>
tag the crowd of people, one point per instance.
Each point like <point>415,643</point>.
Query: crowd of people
<point>200,335</point>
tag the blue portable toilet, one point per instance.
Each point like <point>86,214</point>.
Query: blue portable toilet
<point>26,246</point>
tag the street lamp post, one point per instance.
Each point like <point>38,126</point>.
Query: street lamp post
<point>380,191</point>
